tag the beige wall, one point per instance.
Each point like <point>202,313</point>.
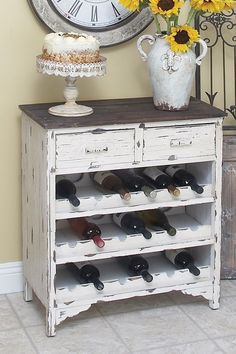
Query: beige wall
<point>21,37</point>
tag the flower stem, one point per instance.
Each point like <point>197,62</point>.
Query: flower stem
<point>167,20</point>
<point>168,25</point>
<point>176,18</point>
<point>191,15</point>
<point>158,27</point>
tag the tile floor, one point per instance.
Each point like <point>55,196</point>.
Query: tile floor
<point>157,324</point>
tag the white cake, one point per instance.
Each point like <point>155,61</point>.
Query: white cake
<point>71,48</point>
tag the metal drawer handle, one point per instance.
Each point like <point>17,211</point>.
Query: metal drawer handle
<point>96,150</point>
<point>180,142</point>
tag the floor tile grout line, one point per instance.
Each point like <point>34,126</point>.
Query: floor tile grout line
<point>199,327</point>
<point>195,322</point>
<point>205,332</point>
<point>222,350</point>
<point>222,337</point>
<point>23,327</point>
<point>174,345</point>
<point>116,333</point>
<point>165,346</point>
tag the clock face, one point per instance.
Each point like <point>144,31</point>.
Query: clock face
<point>92,14</point>
<point>107,20</point>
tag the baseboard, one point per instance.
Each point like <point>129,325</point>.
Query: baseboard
<point>11,277</point>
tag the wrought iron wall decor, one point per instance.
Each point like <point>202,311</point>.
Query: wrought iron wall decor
<point>217,28</point>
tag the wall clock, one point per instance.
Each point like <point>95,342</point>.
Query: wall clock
<point>107,20</point>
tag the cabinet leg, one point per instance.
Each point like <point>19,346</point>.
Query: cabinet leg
<point>214,304</point>
<point>28,293</point>
<point>50,323</point>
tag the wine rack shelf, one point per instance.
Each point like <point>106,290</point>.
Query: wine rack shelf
<point>190,232</point>
<point>117,282</point>
<point>91,199</point>
<point>55,148</point>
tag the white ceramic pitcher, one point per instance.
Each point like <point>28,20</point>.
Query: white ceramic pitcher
<point>172,74</point>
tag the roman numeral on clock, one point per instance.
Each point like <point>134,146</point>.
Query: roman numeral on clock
<point>94,13</point>
<point>115,10</point>
<point>75,8</point>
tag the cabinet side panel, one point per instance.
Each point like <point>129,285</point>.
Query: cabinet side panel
<point>228,252</point>
<point>35,207</point>
<point>216,250</point>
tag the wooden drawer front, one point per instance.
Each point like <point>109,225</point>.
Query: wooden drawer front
<point>174,143</point>
<point>94,149</point>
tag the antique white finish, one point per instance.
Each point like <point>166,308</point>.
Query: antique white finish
<point>71,72</point>
<point>171,74</point>
<point>49,243</point>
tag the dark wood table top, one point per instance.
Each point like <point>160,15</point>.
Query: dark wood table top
<point>119,111</point>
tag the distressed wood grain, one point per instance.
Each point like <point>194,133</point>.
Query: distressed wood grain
<point>121,134</point>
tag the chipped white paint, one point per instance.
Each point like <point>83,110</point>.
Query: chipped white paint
<point>171,74</point>
<point>191,232</point>
<point>48,153</point>
<point>96,147</point>
<point>179,142</point>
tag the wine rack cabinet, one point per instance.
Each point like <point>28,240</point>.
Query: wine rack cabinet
<point>120,134</point>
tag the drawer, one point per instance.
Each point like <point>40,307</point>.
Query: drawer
<point>179,142</point>
<point>94,148</point>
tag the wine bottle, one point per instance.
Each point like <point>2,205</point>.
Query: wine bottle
<point>161,180</point>
<point>136,183</point>
<point>66,189</point>
<point>182,259</point>
<point>87,273</point>
<point>111,182</point>
<point>184,178</point>
<point>131,224</point>
<point>137,265</point>
<point>87,229</point>
<point>156,218</point>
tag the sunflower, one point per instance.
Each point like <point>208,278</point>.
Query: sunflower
<point>229,4</point>
<point>165,7</point>
<point>182,38</point>
<point>208,5</point>
<point>131,5</point>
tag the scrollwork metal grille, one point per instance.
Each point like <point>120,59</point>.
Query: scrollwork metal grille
<point>219,32</point>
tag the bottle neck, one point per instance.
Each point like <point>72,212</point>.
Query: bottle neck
<point>173,190</point>
<point>170,229</point>
<point>196,188</point>
<point>74,200</point>
<point>98,241</point>
<point>147,234</point>
<point>149,192</point>
<point>98,284</point>
<point>124,194</point>
<point>146,276</point>
<point>193,269</point>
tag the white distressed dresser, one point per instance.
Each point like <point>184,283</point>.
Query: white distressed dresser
<point>125,133</point>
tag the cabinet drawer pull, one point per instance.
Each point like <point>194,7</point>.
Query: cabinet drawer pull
<point>180,142</point>
<point>95,150</point>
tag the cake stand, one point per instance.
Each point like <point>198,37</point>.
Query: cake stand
<point>71,72</point>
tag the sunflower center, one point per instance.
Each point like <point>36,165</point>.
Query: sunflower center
<point>166,5</point>
<point>182,37</point>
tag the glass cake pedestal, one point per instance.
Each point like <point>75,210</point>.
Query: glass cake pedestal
<point>71,72</point>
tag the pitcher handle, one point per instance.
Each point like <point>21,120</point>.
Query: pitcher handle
<point>151,41</point>
<point>204,51</point>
